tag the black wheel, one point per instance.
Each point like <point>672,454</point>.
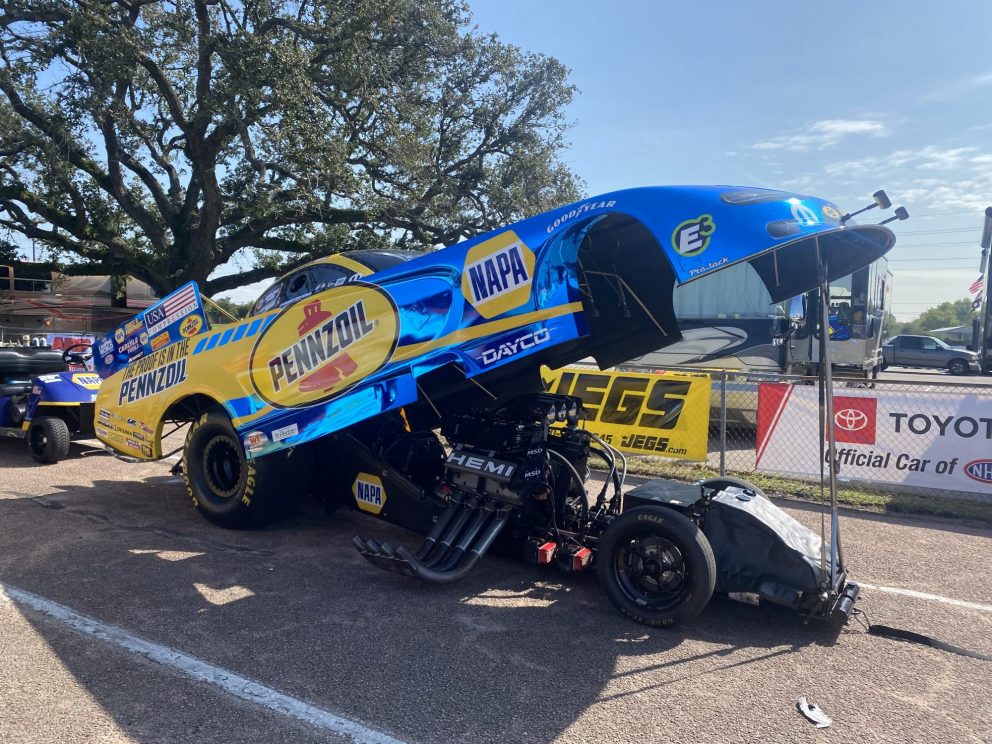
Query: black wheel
<point>232,491</point>
<point>48,439</point>
<point>957,367</point>
<point>656,566</point>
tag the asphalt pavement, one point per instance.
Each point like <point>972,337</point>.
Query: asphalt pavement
<point>128,618</point>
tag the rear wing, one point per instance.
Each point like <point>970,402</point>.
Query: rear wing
<point>179,316</point>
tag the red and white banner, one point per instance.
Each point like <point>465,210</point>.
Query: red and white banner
<point>932,440</point>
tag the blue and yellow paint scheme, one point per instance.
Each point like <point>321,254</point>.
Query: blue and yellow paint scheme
<point>592,278</point>
<point>51,395</point>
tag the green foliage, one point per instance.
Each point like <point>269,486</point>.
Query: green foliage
<point>237,309</point>
<point>944,315</point>
<point>164,139</point>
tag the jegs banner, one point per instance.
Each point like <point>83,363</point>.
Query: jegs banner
<point>665,415</point>
<point>932,440</point>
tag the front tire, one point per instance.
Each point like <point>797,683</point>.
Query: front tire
<point>656,566</point>
<point>229,489</point>
<point>48,439</point>
<point>957,367</point>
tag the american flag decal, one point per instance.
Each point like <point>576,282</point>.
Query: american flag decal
<point>976,286</point>
<point>175,307</point>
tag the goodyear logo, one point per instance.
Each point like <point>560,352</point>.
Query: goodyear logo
<point>498,274</point>
<point>320,347</point>
<point>370,496</point>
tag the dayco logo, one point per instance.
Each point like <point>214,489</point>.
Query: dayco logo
<point>692,237</point>
<point>979,470</point>
<point>498,274</point>
<point>370,496</point>
<point>318,348</point>
<point>521,343</point>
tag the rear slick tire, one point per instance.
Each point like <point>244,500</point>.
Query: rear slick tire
<point>656,566</point>
<point>229,489</point>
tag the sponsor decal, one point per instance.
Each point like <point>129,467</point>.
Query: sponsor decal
<point>499,470</point>
<point>979,470</point>
<point>132,444</point>
<point>133,326</point>
<point>146,450</point>
<point>105,347</point>
<point>930,424</point>
<point>855,419</point>
<point>191,326</point>
<point>105,415</point>
<point>36,390</point>
<point>154,374</point>
<point>658,414</point>
<point>885,437</point>
<point>255,441</point>
<point>88,381</point>
<point>50,378</point>
<point>109,359</point>
<point>132,348</point>
<point>119,335</point>
<point>692,237</point>
<point>143,338</point>
<point>510,346</point>
<point>498,274</point>
<point>370,496</point>
<point>804,215</point>
<point>161,340</point>
<point>831,212</point>
<point>173,309</point>
<point>579,210</point>
<point>101,432</point>
<point>152,383</point>
<point>709,267</point>
<point>317,349</point>
<point>285,432</point>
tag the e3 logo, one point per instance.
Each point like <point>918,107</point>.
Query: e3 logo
<point>692,237</point>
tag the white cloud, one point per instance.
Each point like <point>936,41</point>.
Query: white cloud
<point>823,134</point>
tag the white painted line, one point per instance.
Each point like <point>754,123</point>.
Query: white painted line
<point>924,595</point>
<point>202,671</point>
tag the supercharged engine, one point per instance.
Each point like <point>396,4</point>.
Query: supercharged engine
<point>519,469</point>
<point>512,454</point>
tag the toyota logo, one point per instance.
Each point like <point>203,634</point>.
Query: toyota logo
<point>851,419</point>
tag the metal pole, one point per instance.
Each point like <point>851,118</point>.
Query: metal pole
<point>985,329</point>
<point>723,422</point>
<point>827,383</point>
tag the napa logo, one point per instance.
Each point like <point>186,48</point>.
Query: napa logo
<point>498,274</point>
<point>979,470</point>
<point>370,496</point>
<point>323,345</point>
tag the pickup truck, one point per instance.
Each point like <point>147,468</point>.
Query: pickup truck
<point>927,351</point>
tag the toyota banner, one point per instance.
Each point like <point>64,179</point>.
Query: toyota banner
<point>924,439</point>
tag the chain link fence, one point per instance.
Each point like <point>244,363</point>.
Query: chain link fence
<point>931,439</point>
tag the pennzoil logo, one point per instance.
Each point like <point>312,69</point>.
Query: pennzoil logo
<point>370,496</point>
<point>321,346</point>
<point>498,274</point>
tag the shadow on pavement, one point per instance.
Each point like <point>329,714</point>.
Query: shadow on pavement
<point>512,653</point>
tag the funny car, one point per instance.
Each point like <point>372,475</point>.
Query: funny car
<point>411,389</point>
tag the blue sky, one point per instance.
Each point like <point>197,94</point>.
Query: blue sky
<point>836,100</point>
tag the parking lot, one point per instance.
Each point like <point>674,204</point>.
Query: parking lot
<point>127,617</point>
